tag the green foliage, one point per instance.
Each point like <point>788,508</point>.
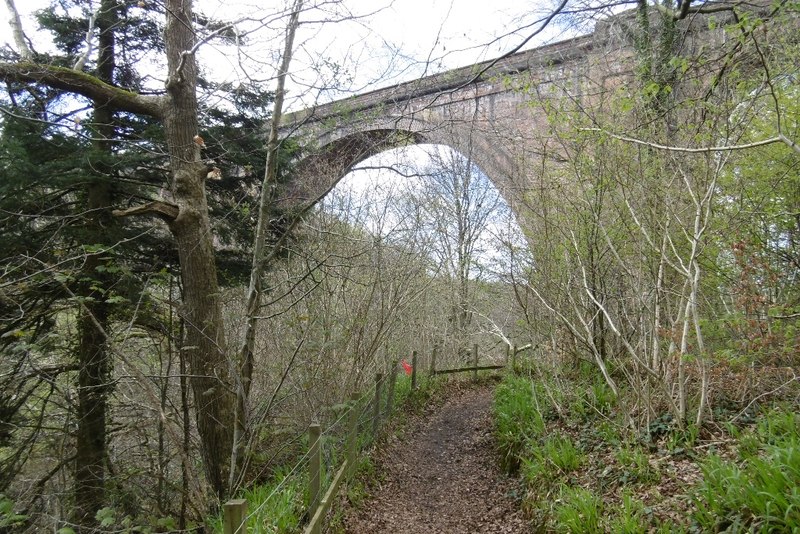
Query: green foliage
<point>578,511</point>
<point>778,426</point>
<point>554,457</point>
<point>588,401</point>
<point>748,445</point>
<point>608,432</point>
<point>106,517</point>
<point>629,517</point>
<point>760,494</point>
<point>635,466</point>
<point>682,439</point>
<point>365,471</point>
<point>403,393</point>
<point>110,519</point>
<point>516,417</point>
<point>279,505</point>
<point>603,397</point>
<point>8,518</point>
<point>275,507</point>
<point>659,427</point>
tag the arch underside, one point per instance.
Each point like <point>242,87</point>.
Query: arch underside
<point>337,153</point>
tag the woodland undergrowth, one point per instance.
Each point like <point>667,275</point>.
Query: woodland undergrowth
<point>583,468</point>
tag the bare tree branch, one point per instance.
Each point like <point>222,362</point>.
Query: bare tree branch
<point>16,30</point>
<point>89,43</point>
<point>162,210</point>
<point>701,150</point>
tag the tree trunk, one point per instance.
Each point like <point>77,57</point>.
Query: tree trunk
<point>94,358</point>
<point>93,380</point>
<point>204,342</point>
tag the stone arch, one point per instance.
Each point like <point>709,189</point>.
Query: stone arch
<point>339,149</point>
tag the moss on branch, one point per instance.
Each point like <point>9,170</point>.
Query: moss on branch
<point>83,84</point>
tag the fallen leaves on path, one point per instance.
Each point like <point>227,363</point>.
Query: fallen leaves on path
<point>442,477</point>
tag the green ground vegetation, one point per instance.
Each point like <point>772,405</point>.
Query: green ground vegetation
<point>583,470</point>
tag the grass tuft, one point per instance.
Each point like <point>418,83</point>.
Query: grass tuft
<point>760,493</point>
<point>578,511</point>
<point>275,507</point>
<point>517,419</point>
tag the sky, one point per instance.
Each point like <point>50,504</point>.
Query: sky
<point>351,46</point>
<point>408,39</point>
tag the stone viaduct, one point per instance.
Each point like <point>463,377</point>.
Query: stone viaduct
<point>495,112</point>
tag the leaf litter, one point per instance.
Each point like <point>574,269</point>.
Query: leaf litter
<point>442,475</point>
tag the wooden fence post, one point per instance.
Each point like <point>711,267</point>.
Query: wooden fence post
<point>352,434</point>
<point>315,465</point>
<point>376,410</point>
<point>234,517</point>
<point>433,360</point>
<point>475,361</point>
<point>413,370</point>
<point>390,391</point>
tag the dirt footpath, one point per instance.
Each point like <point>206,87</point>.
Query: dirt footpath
<point>442,477</point>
